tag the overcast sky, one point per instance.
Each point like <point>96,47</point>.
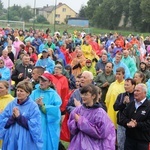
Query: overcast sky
<point>74,4</point>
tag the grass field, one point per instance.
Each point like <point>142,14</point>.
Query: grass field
<point>71,29</point>
<point>65,144</point>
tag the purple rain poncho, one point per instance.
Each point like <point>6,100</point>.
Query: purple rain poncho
<point>93,131</point>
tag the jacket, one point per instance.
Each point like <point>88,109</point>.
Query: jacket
<point>93,131</point>
<point>5,73</point>
<point>16,136</point>
<point>119,105</point>
<point>101,78</point>
<point>26,70</point>
<point>51,117</point>
<point>142,115</point>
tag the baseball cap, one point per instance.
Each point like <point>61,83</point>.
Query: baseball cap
<point>46,76</point>
<point>88,61</point>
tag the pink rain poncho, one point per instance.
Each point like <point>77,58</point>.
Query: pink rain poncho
<point>93,131</point>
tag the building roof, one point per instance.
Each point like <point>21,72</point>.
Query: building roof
<point>48,8</point>
<point>52,7</point>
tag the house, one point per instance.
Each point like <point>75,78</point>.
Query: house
<point>59,15</point>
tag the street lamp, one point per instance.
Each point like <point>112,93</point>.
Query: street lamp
<point>34,13</point>
<point>55,15</point>
<point>8,11</point>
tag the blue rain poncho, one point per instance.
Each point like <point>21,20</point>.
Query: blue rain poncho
<point>50,117</point>
<point>16,137</point>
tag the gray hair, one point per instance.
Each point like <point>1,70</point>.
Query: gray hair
<point>143,86</point>
<point>58,66</point>
<point>90,74</point>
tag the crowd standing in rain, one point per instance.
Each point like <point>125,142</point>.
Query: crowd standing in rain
<point>89,90</point>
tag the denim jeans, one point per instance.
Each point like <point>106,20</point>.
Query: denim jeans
<point>121,137</point>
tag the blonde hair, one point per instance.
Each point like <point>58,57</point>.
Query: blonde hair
<point>1,60</point>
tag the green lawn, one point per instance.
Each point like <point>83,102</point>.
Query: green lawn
<point>71,29</point>
<point>65,144</point>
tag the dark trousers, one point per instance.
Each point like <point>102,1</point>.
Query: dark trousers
<point>131,144</point>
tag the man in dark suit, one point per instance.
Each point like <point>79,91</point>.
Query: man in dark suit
<point>136,119</point>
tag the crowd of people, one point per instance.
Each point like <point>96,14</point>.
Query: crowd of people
<point>90,90</point>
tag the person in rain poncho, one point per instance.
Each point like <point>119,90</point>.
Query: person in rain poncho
<point>20,122</point>
<point>49,104</point>
<point>89,124</point>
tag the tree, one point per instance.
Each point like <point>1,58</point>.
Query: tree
<point>103,16</point>
<point>3,17</point>
<point>91,7</point>
<point>117,12</point>
<point>18,13</point>
<point>104,13</point>
<point>135,14</point>
<point>125,5</point>
<point>82,12</point>
<point>26,13</point>
<point>145,8</point>
<point>1,8</point>
<point>41,19</point>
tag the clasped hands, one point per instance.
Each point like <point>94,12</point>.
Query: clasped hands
<point>132,123</point>
<point>16,112</point>
<point>39,101</point>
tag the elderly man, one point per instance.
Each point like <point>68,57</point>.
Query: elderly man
<point>75,99</point>
<point>136,119</point>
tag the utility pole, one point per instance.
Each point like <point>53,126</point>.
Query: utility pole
<point>34,13</point>
<point>8,11</point>
<point>55,15</point>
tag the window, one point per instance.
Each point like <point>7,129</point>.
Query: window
<point>68,16</point>
<point>64,10</point>
<point>57,15</point>
<point>57,22</point>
